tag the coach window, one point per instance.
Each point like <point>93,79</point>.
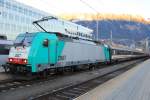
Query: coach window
<point>84,35</point>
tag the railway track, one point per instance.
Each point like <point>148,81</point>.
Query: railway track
<point>71,92</point>
<point>8,85</point>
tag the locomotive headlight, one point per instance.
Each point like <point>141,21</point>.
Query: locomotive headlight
<point>10,60</point>
<point>25,60</point>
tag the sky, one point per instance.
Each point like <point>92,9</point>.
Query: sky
<point>57,7</point>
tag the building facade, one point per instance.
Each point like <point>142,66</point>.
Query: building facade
<point>17,18</point>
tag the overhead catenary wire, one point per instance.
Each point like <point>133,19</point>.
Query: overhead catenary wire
<point>97,22</point>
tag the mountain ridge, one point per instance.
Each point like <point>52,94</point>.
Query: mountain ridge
<point>121,29</point>
<point>105,16</point>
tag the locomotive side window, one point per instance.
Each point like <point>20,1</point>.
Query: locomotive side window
<point>45,43</point>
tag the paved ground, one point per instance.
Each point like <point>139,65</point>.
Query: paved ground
<point>131,85</point>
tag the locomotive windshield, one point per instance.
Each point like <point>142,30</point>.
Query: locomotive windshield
<point>24,39</point>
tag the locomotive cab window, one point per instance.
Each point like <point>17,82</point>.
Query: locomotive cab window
<point>24,39</point>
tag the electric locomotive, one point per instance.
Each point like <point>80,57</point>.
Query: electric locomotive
<point>61,47</point>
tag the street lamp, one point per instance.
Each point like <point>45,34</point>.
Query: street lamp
<point>97,24</point>
<point>111,37</point>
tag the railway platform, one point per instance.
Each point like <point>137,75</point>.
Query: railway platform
<point>131,85</point>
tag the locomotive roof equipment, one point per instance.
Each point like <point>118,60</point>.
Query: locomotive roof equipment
<point>63,27</point>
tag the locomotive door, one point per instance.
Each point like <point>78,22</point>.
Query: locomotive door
<point>107,53</point>
<point>52,52</point>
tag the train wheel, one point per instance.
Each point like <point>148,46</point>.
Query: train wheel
<point>91,67</point>
<point>12,70</point>
<point>59,70</point>
<point>107,62</point>
<point>44,74</point>
<point>62,70</point>
<point>29,74</point>
<point>75,68</point>
<point>72,68</point>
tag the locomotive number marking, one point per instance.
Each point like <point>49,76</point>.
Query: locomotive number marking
<point>61,57</point>
<point>17,55</point>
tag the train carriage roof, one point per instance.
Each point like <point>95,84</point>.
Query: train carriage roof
<point>126,49</point>
<point>6,42</point>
